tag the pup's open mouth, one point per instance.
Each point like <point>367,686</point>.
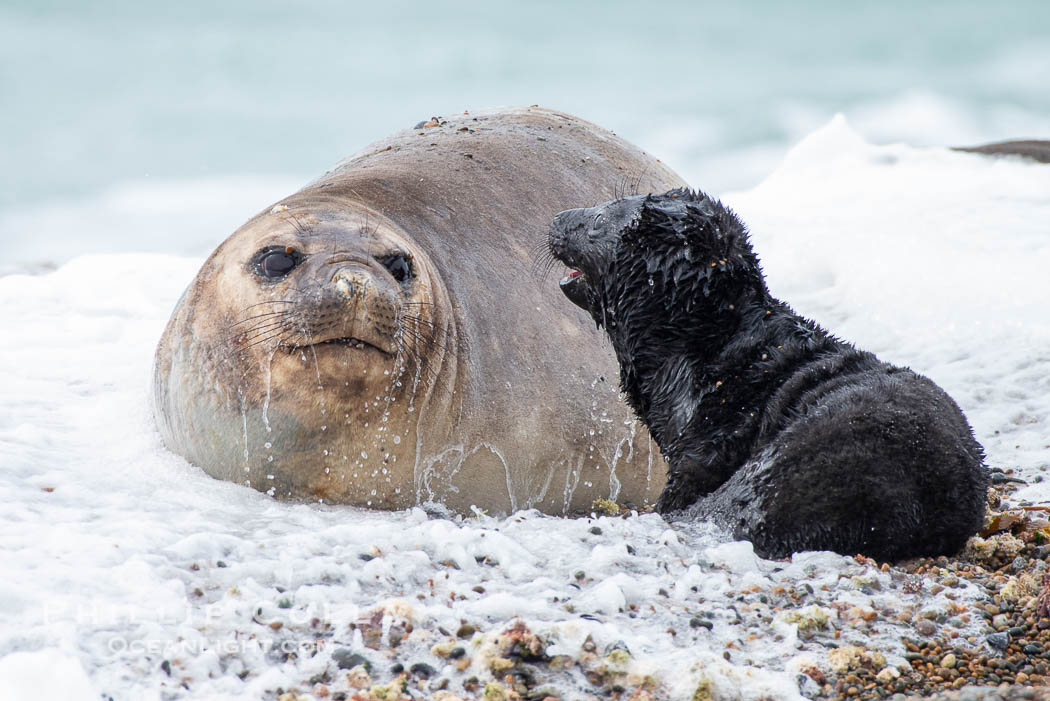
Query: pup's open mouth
<point>574,286</point>
<point>573,274</point>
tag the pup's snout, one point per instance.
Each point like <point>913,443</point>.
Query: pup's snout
<point>561,230</point>
<point>559,220</point>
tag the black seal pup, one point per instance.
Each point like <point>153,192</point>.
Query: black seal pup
<point>786,435</point>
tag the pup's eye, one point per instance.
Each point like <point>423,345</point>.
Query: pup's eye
<point>399,265</point>
<point>274,263</point>
<point>599,221</point>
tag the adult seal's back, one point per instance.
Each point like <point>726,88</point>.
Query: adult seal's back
<point>379,339</point>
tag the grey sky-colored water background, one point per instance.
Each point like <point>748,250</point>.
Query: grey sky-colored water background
<point>193,115</point>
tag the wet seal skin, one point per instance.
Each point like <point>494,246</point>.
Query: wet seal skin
<point>787,436</point>
<point>380,338</point>
<point>1032,149</point>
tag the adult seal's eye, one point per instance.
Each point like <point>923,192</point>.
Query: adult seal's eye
<point>275,263</point>
<point>399,266</point>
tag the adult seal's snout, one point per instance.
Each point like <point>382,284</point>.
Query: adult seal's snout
<point>377,338</point>
<point>352,286</point>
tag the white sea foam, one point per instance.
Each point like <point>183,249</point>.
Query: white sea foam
<point>122,562</point>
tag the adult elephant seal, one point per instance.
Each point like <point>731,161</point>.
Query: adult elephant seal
<point>380,339</point>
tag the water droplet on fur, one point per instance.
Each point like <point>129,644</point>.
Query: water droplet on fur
<point>269,458</point>
<point>267,445</point>
<point>397,439</point>
<point>325,452</point>
<point>364,455</point>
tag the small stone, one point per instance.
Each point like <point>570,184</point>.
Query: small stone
<point>1000,621</point>
<point>925,628</point>
<point>347,659</point>
<point>594,530</point>
<point>887,675</point>
<point>465,631</point>
<point>559,662</point>
<point>443,649</point>
<point>494,691</point>
<point>359,678</point>
<point>443,695</point>
<point>396,635</point>
<point>697,622</point>
<point>948,661</point>
<point>999,641</point>
<point>422,670</point>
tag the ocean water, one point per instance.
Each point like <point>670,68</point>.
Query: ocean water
<point>149,126</point>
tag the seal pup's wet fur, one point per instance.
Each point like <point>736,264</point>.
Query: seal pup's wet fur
<point>786,435</point>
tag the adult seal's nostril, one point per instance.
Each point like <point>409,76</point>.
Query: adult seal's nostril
<point>351,286</point>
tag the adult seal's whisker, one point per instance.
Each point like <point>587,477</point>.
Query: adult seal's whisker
<point>270,301</point>
<point>260,316</point>
<point>262,326</point>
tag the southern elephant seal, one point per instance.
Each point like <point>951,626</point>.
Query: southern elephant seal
<point>379,338</point>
